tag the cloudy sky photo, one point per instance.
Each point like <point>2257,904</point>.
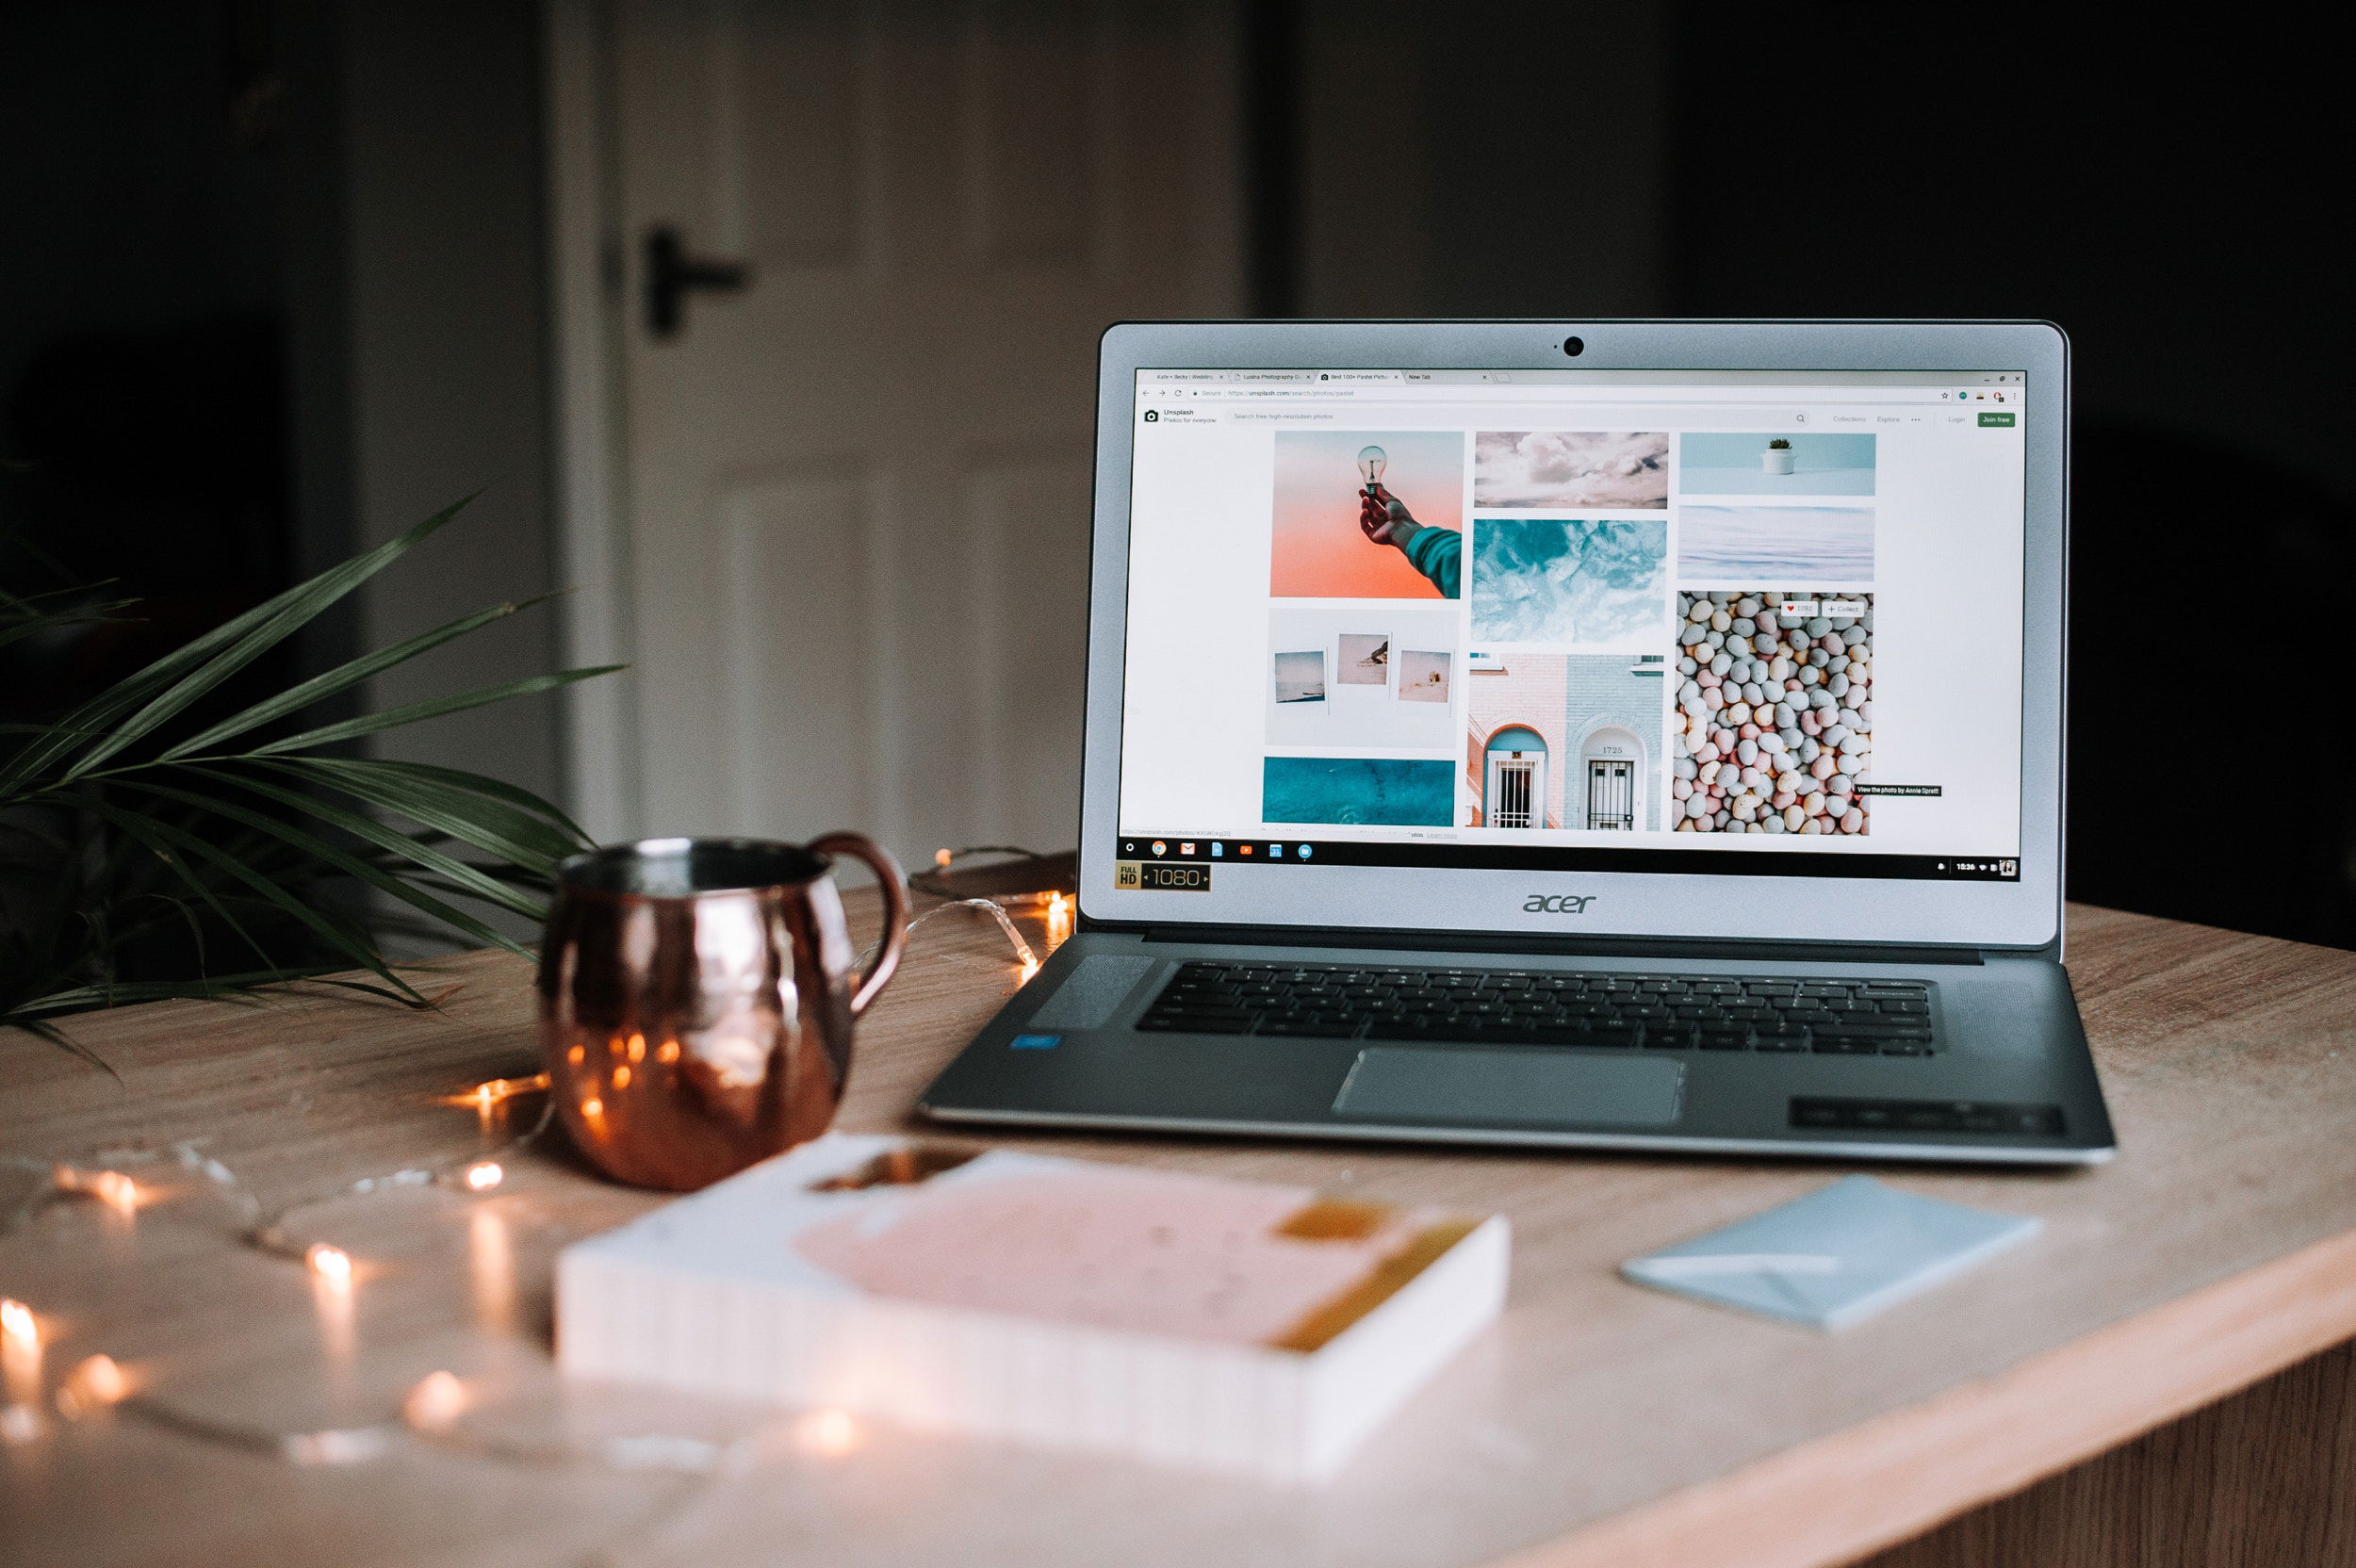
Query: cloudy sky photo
<point>1567,467</point>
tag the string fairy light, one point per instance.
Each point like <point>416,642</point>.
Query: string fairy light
<point>436,1403</point>
<point>111,1187</point>
<point>17,1325</point>
<point>826,1432</point>
<point>488,1098</point>
<point>20,1372</point>
<point>435,1407</point>
<point>1026,959</point>
<point>432,1410</point>
<point>97,1384</point>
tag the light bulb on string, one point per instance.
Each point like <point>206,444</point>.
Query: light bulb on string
<point>435,1402</point>
<point>19,1358</point>
<point>17,1325</point>
<point>95,1385</point>
<point>1371,462</point>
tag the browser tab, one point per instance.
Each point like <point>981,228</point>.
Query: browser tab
<point>1393,377</point>
<point>1276,375</point>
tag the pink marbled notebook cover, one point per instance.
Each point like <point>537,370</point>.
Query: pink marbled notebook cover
<point>1152,1252</point>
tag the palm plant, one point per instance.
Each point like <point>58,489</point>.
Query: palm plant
<point>118,826</point>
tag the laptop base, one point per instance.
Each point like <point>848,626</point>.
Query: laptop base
<point>2009,1081</point>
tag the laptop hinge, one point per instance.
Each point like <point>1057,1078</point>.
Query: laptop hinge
<point>1568,947</point>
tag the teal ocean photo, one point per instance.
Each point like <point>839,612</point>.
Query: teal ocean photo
<point>1358,791</point>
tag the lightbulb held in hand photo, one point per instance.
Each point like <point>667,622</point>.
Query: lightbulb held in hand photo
<point>1383,518</point>
<point>1378,509</point>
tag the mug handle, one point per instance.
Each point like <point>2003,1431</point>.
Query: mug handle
<point>896,893</point>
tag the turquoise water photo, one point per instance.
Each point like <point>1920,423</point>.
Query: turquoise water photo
<point>1595,582</point>
<point>1358,791</point>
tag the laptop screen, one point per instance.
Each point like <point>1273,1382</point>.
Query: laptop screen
<point>1767,623</point>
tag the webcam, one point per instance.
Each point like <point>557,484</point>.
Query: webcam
<point>1573,346</point>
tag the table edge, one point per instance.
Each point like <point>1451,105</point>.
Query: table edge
<point>1842,1496</point>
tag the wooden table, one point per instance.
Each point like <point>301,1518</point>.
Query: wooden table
<point>1598,1424</point>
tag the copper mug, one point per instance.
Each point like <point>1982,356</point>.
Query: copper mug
<point>696,999</point>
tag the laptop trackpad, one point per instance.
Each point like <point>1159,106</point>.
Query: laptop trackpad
<point>1511,1088</point>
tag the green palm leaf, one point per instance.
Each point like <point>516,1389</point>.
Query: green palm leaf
<point>344,676</point>
<point>155,838</point>
<point>483,784</point>
<point>350,864</point>
<point>432,707</point>
<point>359,954</point>
<point>117,856</point>
<point>179,678</point>
<point>369,830</point>
<point>469,817</point>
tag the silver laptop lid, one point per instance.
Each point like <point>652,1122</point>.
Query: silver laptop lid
<point>1724,630</point>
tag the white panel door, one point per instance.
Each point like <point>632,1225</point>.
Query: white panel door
<point>855,493</point>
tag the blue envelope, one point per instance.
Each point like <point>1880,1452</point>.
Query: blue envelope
<point>1838,1255</point>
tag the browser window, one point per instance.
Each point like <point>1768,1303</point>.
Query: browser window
<point>1757,622</point>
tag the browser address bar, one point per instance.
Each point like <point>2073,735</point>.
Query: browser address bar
<point>1508,394</point>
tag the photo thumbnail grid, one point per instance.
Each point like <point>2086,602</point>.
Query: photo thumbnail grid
<point>1587,677</point>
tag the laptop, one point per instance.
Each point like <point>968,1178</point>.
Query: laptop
<point>1616,734</point>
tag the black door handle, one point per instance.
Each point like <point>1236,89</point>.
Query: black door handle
<point>671,272</point>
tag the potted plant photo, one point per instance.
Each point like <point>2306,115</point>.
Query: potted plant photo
<point>1776,458</point>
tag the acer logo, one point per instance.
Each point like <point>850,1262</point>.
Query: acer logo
<point>1557,904</point>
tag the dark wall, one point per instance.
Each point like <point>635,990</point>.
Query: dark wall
<point>275,290</point>
<point>137,190</point>
<point>141,409</point>
<point>2167,194</point>
<point>1504,158</point>
<point>2163,192</point>
<point>439,301</point>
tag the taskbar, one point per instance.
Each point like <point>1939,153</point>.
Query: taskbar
<point>1181,849</point>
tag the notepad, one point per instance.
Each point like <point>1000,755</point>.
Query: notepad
<point>1837,1257</point>
<point>1189,1319</point>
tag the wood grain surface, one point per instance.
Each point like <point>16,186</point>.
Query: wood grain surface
<point>2266,1478</point>
<point>1598,1423</point>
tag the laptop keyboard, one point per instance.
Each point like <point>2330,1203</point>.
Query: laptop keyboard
<point>1627,1012</point>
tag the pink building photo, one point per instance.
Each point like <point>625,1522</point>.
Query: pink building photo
<point>1564,742</point>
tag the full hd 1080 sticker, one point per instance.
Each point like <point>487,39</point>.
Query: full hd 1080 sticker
<point>1149,876</point>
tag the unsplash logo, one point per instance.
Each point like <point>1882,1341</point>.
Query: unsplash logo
<point>1557,904</point>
